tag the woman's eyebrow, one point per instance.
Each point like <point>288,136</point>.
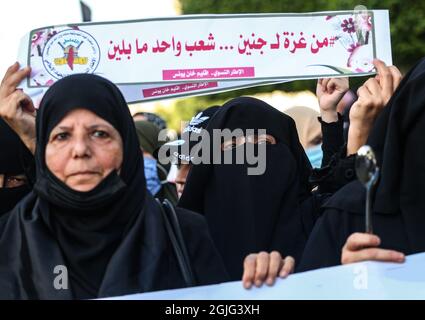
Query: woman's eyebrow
<point>96,126</point>
<point>66,128</point>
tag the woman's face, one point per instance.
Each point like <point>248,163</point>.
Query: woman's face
<point>83,149</point>
<point>181,177</point>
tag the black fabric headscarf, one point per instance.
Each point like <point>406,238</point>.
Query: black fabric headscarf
<point>12,162</point>
<point>111,239</point>
<point>245,213</point>
<point>147,133</point>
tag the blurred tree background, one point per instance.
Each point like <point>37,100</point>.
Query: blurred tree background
<point>407,20</point>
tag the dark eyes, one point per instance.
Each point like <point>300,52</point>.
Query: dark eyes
<point>263,141</point>
<point>62,136</point>
<point>228,145</point>
<point>100,134</point>
<point>14,181</point>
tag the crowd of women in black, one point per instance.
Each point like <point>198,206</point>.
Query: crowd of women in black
<point>76,190</point>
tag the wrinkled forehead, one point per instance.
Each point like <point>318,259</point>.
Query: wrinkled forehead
<point>77,115</point>
<point>82,117</point>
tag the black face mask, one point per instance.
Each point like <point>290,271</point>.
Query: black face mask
<point>243,210</point>
<point>85,203</point>
<point>9,197</point>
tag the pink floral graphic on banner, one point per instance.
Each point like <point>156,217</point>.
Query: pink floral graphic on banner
<point>354,34</point>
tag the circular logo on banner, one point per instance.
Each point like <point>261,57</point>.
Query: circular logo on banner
<point>70,52</point>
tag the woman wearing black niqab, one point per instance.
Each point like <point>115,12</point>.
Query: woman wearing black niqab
<point>253,213</point>
<point>14,158</point>
<point>111,239</point>
<point>398,218</point>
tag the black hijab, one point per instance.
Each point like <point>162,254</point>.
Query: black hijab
<point>111,239</point>
<point>13,157</point>
<point>245,213</point>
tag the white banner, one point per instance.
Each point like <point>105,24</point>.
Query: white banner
<point>364,281</point>
<point>189,55</point>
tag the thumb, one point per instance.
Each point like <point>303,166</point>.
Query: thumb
<point>319,89</point>
<point>26,103</point>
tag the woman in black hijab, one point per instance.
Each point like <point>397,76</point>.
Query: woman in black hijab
<point>14,158</point>
<point>253,213</point>
<point>399,205</point>
<point>156,174</point>
<point>91,214</point>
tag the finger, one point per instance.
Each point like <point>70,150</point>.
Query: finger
<point>320,88</point>
<point>12,81</point>
<point>249,267</point>
<point>26,103</point>
<point>288,267</point>
<point>261,268</point>
<point>373,86</point>
<point>376,254</point>
<point>385,77</point>
<point>9,107</point>
<point>331,85</point>
<point>274,267</point>
<point>12,69</point>
<point>397,76</point>
<point>340,84</point>
<point>358,241</point>
<point>363,92</point>
<point>325,83</point>
<point>16,100</point>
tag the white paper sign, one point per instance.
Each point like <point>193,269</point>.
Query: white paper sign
<point>366,280</point>
<point>190,55</point>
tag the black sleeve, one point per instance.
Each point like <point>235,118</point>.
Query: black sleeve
<point>311,210</point>
<point>333,138</point>
<point>339,171</point>
<point>207,264</point>
<point>323,248</point>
